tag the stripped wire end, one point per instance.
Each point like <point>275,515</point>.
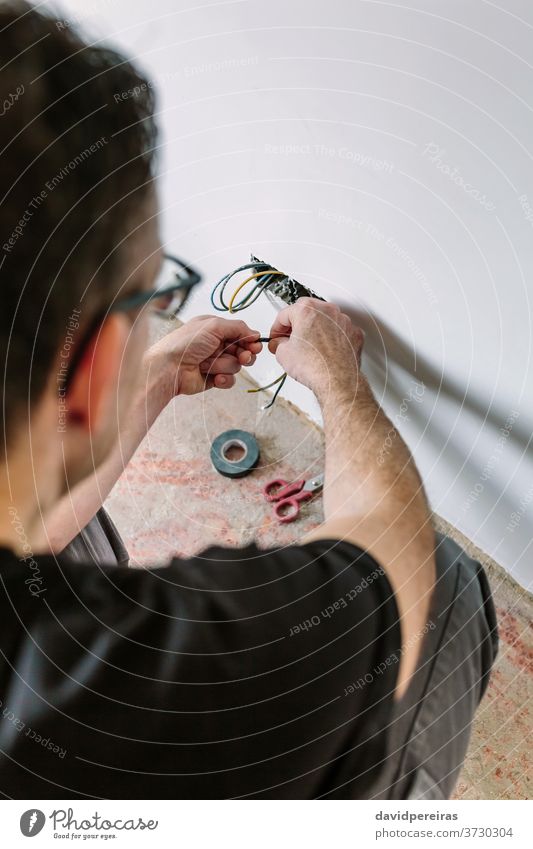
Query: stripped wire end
<point>279,381</point>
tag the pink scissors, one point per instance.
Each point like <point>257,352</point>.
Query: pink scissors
<point>289,495</point>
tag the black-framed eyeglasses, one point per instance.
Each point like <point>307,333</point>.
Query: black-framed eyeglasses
<point>173,285</point>
<point>171,290</point>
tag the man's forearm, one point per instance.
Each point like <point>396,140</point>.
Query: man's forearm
<point>374,498</point>
<point>368,474</point>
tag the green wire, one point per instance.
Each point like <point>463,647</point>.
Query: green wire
<point>262,283</point>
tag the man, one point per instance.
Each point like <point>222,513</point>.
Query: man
<point>347,666</point>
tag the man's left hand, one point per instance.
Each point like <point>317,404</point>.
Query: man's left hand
<point>205,352</point>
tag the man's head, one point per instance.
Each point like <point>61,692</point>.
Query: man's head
<point>77,230</point>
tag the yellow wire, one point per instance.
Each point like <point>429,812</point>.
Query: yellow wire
<point>251,277</point>
<point>262,388</point>
<point>230,309</point>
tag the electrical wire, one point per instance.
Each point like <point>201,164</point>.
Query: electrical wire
<point>280,381</point>
<point>264,276</point>
<point>269,385</point>
<point>261,286</point>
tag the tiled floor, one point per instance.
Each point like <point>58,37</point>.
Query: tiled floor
<point>170,501</point>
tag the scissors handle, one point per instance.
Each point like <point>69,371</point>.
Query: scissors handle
<point>279,489</point>
<point>288,509</point>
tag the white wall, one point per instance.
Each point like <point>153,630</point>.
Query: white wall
<point>383,154</point>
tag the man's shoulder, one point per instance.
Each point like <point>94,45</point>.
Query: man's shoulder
<point>312,566</point>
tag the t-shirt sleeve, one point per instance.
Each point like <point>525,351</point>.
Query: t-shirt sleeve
<point>236,673</point>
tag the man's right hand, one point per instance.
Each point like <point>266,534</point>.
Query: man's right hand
<point>318,345</point>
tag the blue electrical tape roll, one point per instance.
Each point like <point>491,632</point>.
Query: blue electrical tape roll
<point>235,439</point>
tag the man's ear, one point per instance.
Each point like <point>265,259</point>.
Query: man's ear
<point>93,386</point>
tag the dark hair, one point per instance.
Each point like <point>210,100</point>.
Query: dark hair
<point>77,141</point>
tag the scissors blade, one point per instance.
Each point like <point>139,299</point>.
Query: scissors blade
<point>314,484</point>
